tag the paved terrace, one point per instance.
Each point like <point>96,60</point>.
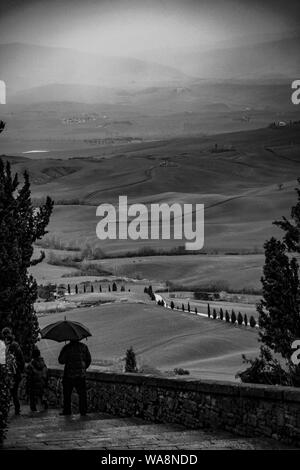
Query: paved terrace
<point>47,430</point>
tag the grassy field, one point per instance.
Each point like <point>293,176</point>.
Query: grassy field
<point>243,191</point>
<point>194,270</point>
<point>162,339</point>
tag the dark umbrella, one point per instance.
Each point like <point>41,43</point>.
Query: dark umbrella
<point>65,330</point>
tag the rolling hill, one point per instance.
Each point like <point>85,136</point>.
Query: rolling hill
<point>161,338</point>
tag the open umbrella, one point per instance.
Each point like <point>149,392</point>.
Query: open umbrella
<point>65,330</point>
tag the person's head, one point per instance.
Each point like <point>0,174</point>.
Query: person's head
<point>8,339</point>
<point>36,353</point>
<point>6,332</point>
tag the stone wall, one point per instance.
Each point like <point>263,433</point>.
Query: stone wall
<point>244,409</point>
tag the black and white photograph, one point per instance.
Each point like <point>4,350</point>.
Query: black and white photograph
<point>149,228</point>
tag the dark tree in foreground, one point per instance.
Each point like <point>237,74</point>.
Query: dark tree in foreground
<point>233,317</point>
<point>227,316</point>
<point>130,361</point>
<point>21,224</point>
<point>279,309</point>
<point>214,314</point>
<point>252,322</point>
<point>246,320</point>
<point>196,311</point>
<point>172,305</point>
<point>182,307</point>
<point>279,317</point>
<point>208,310</point>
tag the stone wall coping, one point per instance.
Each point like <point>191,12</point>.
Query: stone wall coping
<point>214,387</point>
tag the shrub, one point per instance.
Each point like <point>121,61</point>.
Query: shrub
<point>172,305</point>
<point>182,307</point>
<point>233,317</point>
<point>180,371</point>
<point>189,307</point>
<point>252,321</point>
<point>240,318</point>
<point>214,314</point>
<point>122,288</point>
<point>92,253</point>
<point>92,288</point>
<point>208,310</point>
<point>265,370</point>
<point>227,316</point>
<point>114,287</point>
<point>130,361</point>
<point>47,292</point>
<point>246,320</point>
<point>196,311</point>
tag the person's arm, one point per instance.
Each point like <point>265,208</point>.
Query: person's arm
<point>46,376</point>
<point>17,351</point>
<point>29,372</point>
<point>21,359</point>
<point>88,358</point>
<point>62,356</point>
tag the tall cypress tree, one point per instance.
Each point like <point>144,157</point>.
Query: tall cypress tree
<point>279,318</point>
<point>279,309</point>
<point>21,224</point>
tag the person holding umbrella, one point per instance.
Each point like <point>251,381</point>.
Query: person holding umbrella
<point>76,358</point>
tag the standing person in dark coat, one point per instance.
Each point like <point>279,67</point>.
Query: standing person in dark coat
<point>77,358</point>
<point>13,348</point>
<point>37,380</point>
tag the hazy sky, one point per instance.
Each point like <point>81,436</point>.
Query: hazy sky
<point>125,27</point>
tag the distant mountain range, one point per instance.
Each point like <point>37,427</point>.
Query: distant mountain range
<point>25,66</point>
<point>38,73</point>
<point>246,57</point>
